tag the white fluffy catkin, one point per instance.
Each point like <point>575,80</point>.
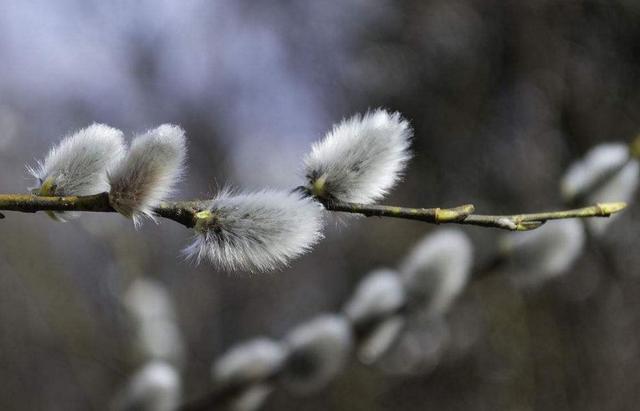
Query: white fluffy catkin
<point>598,164</point>
<point>249,362</point>
<point>361,158</point>
<point>79,164</point>
<point>148,173</point>
<point>155,387</point>
<point>151,311</point>
<point>319,350</point>
<point>437,269</point>
<point>257,231</point>
<point>380,293</point>
<point>544,253</point>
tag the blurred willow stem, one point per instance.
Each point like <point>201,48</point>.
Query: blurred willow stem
<point>187,212</point>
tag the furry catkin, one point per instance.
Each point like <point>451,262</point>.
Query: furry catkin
<point>148,173</point>
<point>79,164</point>
<point>257,231</point>
<point>361,158</point>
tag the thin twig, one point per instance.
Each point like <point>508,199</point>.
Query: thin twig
<point>463,214</point>
<point>185,212</point>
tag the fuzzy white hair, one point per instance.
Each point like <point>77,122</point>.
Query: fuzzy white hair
<point>361,158</point>
<point>544,253</point>
<point>151,311</point>
<point>257,231</point>
<point>438,269</point>
<point>156,386</point>
<point>380,293</point>
<point>78,165</point>
<point>319,350</point>
<point>249,362</point>
<point>148,173</point>
<point>601,162</point>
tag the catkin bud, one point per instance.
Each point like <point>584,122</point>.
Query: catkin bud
<point>361,158</point>
<point>78,166</point>
<point>256,231</point>
<point>148,173</point>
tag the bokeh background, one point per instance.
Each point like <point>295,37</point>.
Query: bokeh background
<point>503,96</point>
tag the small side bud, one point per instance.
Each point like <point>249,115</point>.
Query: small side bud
<point>446,215</point>
<point>608,209</point>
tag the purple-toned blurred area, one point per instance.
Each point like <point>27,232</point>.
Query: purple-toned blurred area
<point>503,97</point>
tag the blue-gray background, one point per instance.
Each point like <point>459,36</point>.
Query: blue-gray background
<point>502,96</point>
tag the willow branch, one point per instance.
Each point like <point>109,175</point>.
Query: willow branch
<point>182,212</point>
<point>185,212</point>
<point>464,214</point>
